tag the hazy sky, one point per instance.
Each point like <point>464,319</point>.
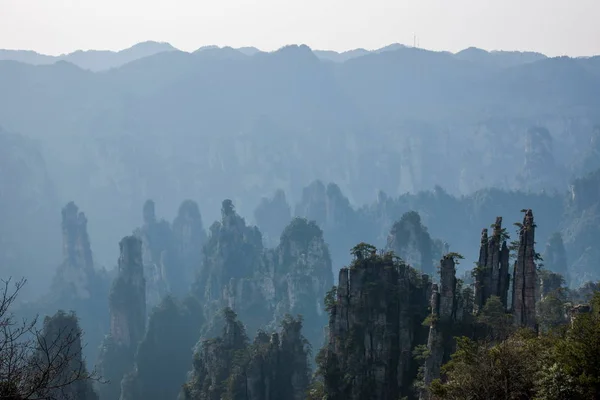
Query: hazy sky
<point>554,27</point>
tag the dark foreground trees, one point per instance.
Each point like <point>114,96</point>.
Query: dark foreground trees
<point>40,364</point>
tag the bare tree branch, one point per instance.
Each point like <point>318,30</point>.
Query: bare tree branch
<point>36,364</point>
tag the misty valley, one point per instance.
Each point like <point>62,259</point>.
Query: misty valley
<point>233,224</point>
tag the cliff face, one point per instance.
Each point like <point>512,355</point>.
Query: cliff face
<point>157,253</point>
<point>77,285</point>
<point>77,269</point>
<point>540,170</point>
<point>172,253</point>
<point>228,367</point>
<point>302,276</point>
<point>449,308</point>
<point>331,210</point>
<point>410,240</point>
<point>233,273</point>
<point>525,275</point>
<point>375,320</point>
<point>189,237</point>
<point>272,215</point>
<point>264,285</point>
<point>550,282</point>
<point>555,256</point>
<point>127,303</point>
<point>491,275</point>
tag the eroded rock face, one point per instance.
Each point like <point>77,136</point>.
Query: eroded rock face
<point>77,285</point>
<point>233,273</point>
<point>550,282</point>
<point>447,309</point>
<point>375,320</point>
<point>77,269</point>
<point>189,237</point>
<point>228,367</point>
<point>157,253</point>
<point>127,304</point>
<point>410,240</point>
<point>331,210</point>
<point>128,295</point>
<point>302,276</point>
<point>491,275</point>
<point>525,275</point>
<point>272,215</point>
<point>540,170</point>
<point>555,256</point>
<point>261,285</point>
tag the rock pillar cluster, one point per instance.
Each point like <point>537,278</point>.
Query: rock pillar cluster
<point>491,275</point>
<point>444,307</point>
<point>525,275</point>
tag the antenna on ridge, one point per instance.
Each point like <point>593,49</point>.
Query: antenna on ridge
<point>414,40</point>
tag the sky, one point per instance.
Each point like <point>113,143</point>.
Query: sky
<point>552,27</point>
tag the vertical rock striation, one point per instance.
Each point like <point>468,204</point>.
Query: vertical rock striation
<point>271,368</point>
<point>525,275</point>
<point>262,286</point>
<point>77,285</point>
<point>233,273</point>
<point>76,273</point>
<point>302,276</point>
<point>374,320</point>
<point>127,304</point>
<point>188,238</point>
<point>272,216</point>
<point>491,275</point>
<point>411,241</point>
<point>157,253</point>
<point>444,308</point>
<point>555,256</point>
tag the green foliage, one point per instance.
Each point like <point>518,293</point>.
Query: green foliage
<point>420,354</point>
<point>497,322</point>
<point>302,231</point>
<point>560,364</point>
<point>363,251</point>
<point>330,298</point>
<point>430,320</point>
<point>455,257</point>
<point>481,372</point>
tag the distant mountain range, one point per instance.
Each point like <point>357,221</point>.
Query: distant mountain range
<point>100,60</point>
<point>241,123</point>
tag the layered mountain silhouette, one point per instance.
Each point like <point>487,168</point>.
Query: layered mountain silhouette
<point>155,122</point>
<point>99,60</point>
